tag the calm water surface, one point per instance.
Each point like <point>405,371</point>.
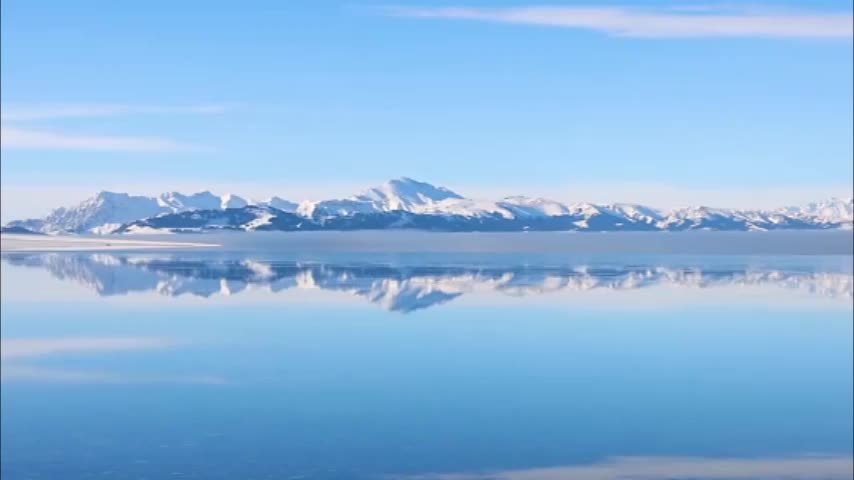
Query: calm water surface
<point>501,366</point>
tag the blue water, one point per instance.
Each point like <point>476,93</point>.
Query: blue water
<point>201,365</point>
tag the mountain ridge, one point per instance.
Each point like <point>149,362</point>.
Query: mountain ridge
<point>408,203</point>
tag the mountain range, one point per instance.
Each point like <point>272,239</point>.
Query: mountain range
<point>405,203</point>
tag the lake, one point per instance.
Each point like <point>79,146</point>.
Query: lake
<point>272,364</point>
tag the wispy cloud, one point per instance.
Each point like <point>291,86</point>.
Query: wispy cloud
<point>29,139</point>
<point>47,112</point>
<point>13,136</point>
<point>666,22</point>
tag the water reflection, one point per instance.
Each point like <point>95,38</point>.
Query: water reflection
<point>749,377</point>
<point>661,468</point>
<point>405,288</point>
<point>20,360</point>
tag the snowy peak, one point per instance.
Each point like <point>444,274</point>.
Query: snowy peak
<point>178,202</point>
<point>232,201</point>
<point>335,208</point>
<point>527,206</point>
<point>832,213</point>
<point>404,194</point>
<point>280,204</point>
<point>832,210</point>
<point>584,209</point>
<point>408,203</point>
<point>107,211</point>
<point>408,195</point>
<point>638,213</point>
<point>401,194</point>
<point>467,207</point>
<point>103,208</point>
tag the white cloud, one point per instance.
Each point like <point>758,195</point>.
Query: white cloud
<point>658,22</point>
<point>15,137</point>
<point>28,139</point>
<point>46,112</point>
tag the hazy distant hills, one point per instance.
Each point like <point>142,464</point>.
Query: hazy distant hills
<point>409,204</point>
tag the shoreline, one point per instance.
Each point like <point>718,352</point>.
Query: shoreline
<point>47,243</point>
<point>826,242</point>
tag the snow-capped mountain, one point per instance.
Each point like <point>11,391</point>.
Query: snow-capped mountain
<point>411,204</point>
<point>178,202</point>
<point>232,201</point>
<point>834,214</point>
<point>533,207</point>
<point>402,194</point>
<point>636,213</point>
<point>833,210</point>
<point>280,204</point>
<point>405,194</point>
<point>104,211</point>
<point>108,211</point>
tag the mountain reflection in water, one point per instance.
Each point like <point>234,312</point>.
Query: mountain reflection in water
<point>405,288</point>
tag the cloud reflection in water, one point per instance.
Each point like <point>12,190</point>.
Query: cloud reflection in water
<point>662,468</point>
<point>12,351</point>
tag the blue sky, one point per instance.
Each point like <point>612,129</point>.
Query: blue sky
<point>662,103</point>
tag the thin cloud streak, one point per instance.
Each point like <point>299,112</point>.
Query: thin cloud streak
<point>656,23</point>
<point>48,112</point>
<point>27,139</point>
